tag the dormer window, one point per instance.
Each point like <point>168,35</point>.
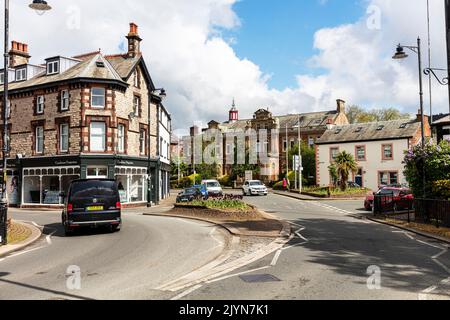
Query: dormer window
<point>21,74</point>
<point>52,67</point>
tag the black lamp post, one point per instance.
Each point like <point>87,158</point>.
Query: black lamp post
<point>400,54</point>
<point>162,95</point>
<point>40,6</point>
<point>447,31</point>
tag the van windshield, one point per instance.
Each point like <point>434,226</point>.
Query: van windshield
<point>212,185</point>
<point>93,188</point>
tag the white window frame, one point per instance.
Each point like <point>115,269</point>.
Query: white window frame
<point>142,140</point>
<point>2,77</point>
<point>65,100</point>
<point>121,138</point>
<point>97,106</point>
<point>40,104</point>
<point>137,105</point>
<point>92,148</point>
<point>63,137</point>
<point>39,132</point>
<point>53,67</point>
<point>21,74</point>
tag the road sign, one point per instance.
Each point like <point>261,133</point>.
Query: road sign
<point>248,175</point>
<point>297,163</point>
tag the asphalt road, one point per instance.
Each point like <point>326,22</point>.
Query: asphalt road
<point>147,253</point>
<point>330,257</point>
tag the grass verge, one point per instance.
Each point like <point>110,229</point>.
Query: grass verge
<point>18,233</point>
<point>442,232</point>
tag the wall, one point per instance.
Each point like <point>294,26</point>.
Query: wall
<point>371,166</point>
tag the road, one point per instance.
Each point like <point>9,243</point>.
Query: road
<point>330,257</point>
<point>147,253</point>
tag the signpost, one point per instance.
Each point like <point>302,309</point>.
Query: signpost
<point>298,168</point>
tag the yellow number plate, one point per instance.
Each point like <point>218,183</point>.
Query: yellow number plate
<point>98,208</point>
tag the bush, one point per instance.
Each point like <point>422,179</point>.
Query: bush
<point>441,189</point>
<point>225,181</point>
<point>223,204</point>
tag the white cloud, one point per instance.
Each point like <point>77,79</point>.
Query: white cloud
<point>187,55</point>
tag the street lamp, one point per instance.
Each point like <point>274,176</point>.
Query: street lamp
<point>40,6</point>
<point>400,54</point>
<point>161,93</point>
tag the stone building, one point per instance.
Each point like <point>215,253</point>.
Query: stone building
<point>312,127</point>
<point>87,116</point>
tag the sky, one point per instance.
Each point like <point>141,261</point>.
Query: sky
<point>289,56</point>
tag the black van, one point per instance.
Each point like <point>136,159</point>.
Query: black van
<point>92,203</point>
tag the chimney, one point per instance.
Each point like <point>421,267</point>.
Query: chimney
<point>134,41</point>
<point>18,54</point>
<point>419,117</point>
<point>340,106</point>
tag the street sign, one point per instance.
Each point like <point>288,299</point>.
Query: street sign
<point>248,175</point>
<point>297,163</point>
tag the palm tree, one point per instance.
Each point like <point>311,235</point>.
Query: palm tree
<point>345,163</point>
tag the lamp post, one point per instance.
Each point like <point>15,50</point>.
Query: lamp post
<point>40,6</point>
<point>400,54</point>
<point>162,95</point>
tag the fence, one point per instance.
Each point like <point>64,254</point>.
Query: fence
<point>428,211</point>
<point>3,224</point>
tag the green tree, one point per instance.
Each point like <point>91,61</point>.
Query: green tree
<point>434,161</point>
<point>308,162</point>
<point>356,114</point>
<point>332,169</point>
<point>345,164</point>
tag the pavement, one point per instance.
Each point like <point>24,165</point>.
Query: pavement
<point>34,236</point>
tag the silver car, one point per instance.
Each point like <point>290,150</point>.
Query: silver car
<point>254,188</point>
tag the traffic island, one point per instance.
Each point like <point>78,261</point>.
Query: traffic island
<point>238,218</point>
<point>20,236</point>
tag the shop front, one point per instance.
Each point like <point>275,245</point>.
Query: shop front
<point>38,182</point>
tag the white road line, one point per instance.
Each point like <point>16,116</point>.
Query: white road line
<point>275,258</point>
<point>23,252</point>
<point>185,293</point>
<point>237,274</point>
<point>295,245</point>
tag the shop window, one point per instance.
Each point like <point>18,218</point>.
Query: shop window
<point>50,190</point>
<point>32,190</point>
<point>97,172</point>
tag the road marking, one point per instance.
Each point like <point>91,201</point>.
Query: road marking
<point>23,252</point>
<point>49,238</point>
<point>275,258</point>
<point>237,274</point>
<point>185,293</point>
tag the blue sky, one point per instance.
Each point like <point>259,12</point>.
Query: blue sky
<point>279,36</point>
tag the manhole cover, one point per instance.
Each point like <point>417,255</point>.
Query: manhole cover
<point>259,278</point>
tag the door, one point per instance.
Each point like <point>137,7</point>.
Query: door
<point>359,178</point>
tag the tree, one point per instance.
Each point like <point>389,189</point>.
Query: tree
<point>333,174</point>
<point>434,160</point>
<point>308,162</point>
<point>356,114</point>
<point>345,164</point>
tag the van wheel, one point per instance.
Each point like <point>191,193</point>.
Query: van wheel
<point>114,229</point>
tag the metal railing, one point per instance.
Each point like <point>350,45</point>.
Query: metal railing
<point>3,224</point>
<point>428,211</point>
<point>431,211</point>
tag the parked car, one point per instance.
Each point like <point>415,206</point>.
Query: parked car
<point>189,195</point>
<point>202,189</point>
<point>92,203</point>
<point>395,199</point>
<point>254,187</point>
<point>214,188</point>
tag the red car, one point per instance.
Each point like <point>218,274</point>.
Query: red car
<point>402,198</point>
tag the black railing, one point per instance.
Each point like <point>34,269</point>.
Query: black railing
<point>428,211</point>
<point>431,211</point>
<point>3,224</point>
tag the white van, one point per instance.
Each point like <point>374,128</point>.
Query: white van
<point>214,188</point>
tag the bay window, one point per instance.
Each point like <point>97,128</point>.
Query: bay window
<point>98,97</point>
<point>97,137</point>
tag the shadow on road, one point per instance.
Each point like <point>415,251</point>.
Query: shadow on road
<point>57,230</point>
<point>350,248</point>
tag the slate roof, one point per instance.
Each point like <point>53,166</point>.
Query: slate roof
<point>116,68</point>
<point>443,120</point>
<point>308,120</point>
<point>390,130</point>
